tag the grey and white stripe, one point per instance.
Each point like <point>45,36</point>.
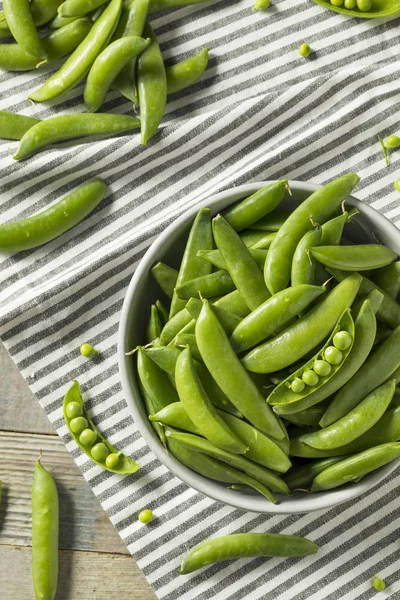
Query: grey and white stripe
<point>260,112</point>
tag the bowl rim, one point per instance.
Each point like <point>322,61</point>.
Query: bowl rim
<point>209,488</point>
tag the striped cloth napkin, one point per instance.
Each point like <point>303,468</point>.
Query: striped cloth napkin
<point>260,112</point>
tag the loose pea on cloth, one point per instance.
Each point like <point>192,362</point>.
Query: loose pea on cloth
<point>260,112</point>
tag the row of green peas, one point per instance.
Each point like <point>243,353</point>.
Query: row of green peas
<point>362,5</point>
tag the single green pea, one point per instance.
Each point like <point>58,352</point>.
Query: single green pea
<point>100,452</point>
<point>322,368</point>
<point>88,350</point>
<point>364,5</point>
<point>87,437</point>
<point>297,385</point>
<point>78,424</point>
<point>393,141</point>
<point>337,2</point>
<point>397,185</point>
<point>378,583</point>
<point>112,460</point>
<point>74,409</point>
<point>350,4</point>
<point>342,340</point>
<point>333,355</point>
<point>310,377</point>
<point>145,516</point>
<point>304,50</point>
<point>261,4</point>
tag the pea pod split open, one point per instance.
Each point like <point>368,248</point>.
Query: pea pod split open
<point>379,9</point>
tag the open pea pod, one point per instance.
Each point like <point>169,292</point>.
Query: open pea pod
<point>380,8</point>
<point>285,392</point>
<point>79,424</point>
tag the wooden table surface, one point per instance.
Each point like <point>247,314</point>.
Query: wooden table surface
<point>94,563</point>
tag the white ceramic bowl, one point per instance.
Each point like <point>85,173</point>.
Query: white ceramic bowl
<point>143,291</point>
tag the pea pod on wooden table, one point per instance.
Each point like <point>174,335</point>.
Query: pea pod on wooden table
<point>361,257</point>
<point>182,74</point>
<point>88,437</point>
<point>20,21</point>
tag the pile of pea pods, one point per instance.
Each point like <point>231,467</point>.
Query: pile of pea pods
<point>276,363</point>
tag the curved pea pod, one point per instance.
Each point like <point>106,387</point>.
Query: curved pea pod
<point>378,9</point>
<point>175,415</point>
<point>154,325</point>
<point>301,478</point>
<point>207,286</point>
<point>155,381</point>
<point>233,302</point>
<point>273,314</point>
<point>199,408</point>
<point>158,428</point>
<point>225,367</point>
<point>214,469</point>
<point>42,12</point>
<point>77,8</point>
<point>298,339</point>
<point>284,394</point>
<point>331,231</point>
<point>361,257</point>
<point>271,222</point>
<point>355,467</point>
<point>166,277</point>
<point>241,265</point>
<point>253,208</point>
<point>183,74</point>
<point>228,320</point>
<point>174,326</point>
<point>321,205</point>
<point>20,21</point>
<point>308,417</point>
<point>380,366</point>
<point>162,312</point>
<point>215,257</point>
<point>188,340</point>
<point>388,279</point>
<point>59,22</point>
<point>375,299</point>
<point>12,125</point>
<point>303,265</point>
<point>124,466</point>
<point>257,239</point>
<point>259,473</point>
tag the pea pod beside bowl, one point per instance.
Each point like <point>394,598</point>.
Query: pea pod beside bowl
<point>379,8</point>
<point>143,291</point>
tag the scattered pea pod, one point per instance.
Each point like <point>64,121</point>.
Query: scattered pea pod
<point>13,126</point>
<point>185,73</point>
<point>360,257</point>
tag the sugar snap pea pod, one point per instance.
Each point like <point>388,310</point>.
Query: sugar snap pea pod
<point>189,340</point>
<point>52,222</point>
<point>166,277</point>
<point>152,86</point>
<point>175,416</point>
<point>320,205</point>
<point>263,242</point>
<point>160,5</point>
<point>355,423</point>
<point>273,314</point>
<point>208,286</point>
<point>224,366</point>
<point>158,428</point>
<point>215,257</point>
<point>107,66</point>
<point>250,210</point>
<point>20,21</point>
<point>78,64</point>
<point>200,237</point>
<point>199,408</point>
<point>361,257</point>
<point>66,127</point>
<point>42,12</point>
<point>257,239</point>
<point>388,279</point>
<point>59,22</point>
<point>382,333</point>
<point>332,230</point>
<point>78,8</point>
<point>241,265</point>
<point>59,43</point>
<point>308,417</point>
<point>298,339</point>
<point>303,265</point>
<point>88,437</point>
<point>375,299</point>
<point>12,125</point>
<point>246,545</point>
<point>364,333</point>
<point>233,302</point>
<point>214,469</point>
<point>182,75</point>
<point>162,312</point>
<point>228,320</point>
<point>271,222</point>
<point>301,478</point>
<point>355,467</point>
<point>379,367</point>
<point>259,473</point>
<point>289,390</point>
<point>45,529</point>
<point>154,325</point>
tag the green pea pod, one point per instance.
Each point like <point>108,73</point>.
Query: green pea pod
<point>177,417</point>
<point>189,340</point>
<point>166,278</point>
<point>225,367</point>
<point>214,469</point>
<point>174,326</point>
<point>375,299</point>
<point>250,210</point>
<point>59,43</point>
<point>355,467</point>
<point>259,473</point>
<point>199,408</point>
<point>42,12</point>
<point>154,325</point>
<point>271,222</point>
<point>200,236</point>
<point>388,279</point>
<point>228,320</point>
<point>378,9</point>
<point>264,242</point>
<point>152,86</point>
<point>257,239</point>
<point>301,478</point>
<point>107,66</point>
<point>379,367</point>
<point>294,342</point>
<point>241,265</point>
<point>320,205</point>
<point>59,22</point>
<point>215,257</point>
<point>13,126</point>
<point>79,8</point>
<point>308,417</point>
<point>155,381</point>
<point>332,230</point>
<point>162,312</point>
<point>361,257</point>
<point>183,74</point>
<point>160,5</point>
<point>303,265</point>
<point>78,64</point>
<point>52,222</point>
<point>124,465</point>
<point>207,286</point>
<point>45,529</point>
<point>273,314</point>
<point>158,428</point>
<point>20,21</point>
<point>284,393</point>
<point>233,302</point>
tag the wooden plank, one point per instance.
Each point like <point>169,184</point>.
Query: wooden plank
<point>82,575</point>
<point>83,523</point>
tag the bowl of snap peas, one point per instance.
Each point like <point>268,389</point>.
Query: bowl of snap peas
<point>259,346</point>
